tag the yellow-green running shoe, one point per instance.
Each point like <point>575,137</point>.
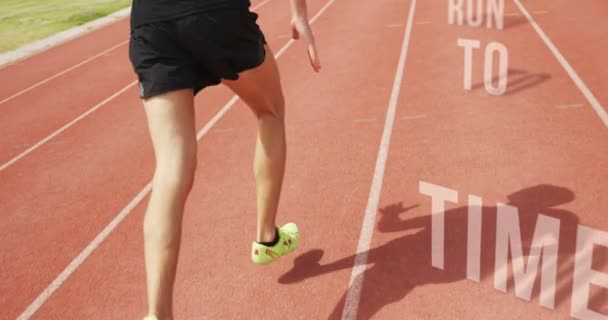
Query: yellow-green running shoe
<point>289,236</point>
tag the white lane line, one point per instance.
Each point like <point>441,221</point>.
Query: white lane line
<point>414,116</point>
<point>367,229</point>
<point>257,6</point>
<point>62,73</point>
<point>65,127</point>
<point>570,106</point>
<point>601,112</point>
<point>67,272</point>
<point>82,116</point>
<point>84,254</point>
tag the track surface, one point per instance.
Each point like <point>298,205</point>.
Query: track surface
<point>76,153</point>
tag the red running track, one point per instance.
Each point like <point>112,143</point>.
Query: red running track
<point>541,148</point>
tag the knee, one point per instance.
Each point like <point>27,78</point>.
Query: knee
<point>274,107</point>
<point>175,170</point>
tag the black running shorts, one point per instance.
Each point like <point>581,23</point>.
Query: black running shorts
<point>195,51</point>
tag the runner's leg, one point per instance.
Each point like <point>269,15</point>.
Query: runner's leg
<point>261,89</point>
<point>172,129</point>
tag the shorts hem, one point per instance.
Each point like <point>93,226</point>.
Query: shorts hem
<point>262,59</point>
<point>159,92</point>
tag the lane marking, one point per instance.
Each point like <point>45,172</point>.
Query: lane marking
<point>41,299</point>
<point>540,12</point>
<point>83,115</point>
<point>414,116</point>
<point>570,106</point>
<point>65,127</point>
<point>259,5</point>
<point>395,25</point>
<point>601,112</point>
<point>62,72</point>
<point>423,22</point>
<point>67,272</point>
<point>353,295</point>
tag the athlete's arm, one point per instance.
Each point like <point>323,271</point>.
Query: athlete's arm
<point>301,27</point>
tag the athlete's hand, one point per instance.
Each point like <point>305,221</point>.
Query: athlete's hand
<point>301,28</point>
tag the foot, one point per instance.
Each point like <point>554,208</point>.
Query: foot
<point>289,236</point>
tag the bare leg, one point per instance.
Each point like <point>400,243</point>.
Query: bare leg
<point>171,124</point>
<point>261,89</point>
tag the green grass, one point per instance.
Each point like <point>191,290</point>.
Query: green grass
<point>25,21</point>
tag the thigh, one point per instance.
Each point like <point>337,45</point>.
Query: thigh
<point>171,123</point>
<point>260,87</point>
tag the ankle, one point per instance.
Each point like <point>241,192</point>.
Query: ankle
<point>269,236</point>
<point>165,313</point>
<point>153,317</point>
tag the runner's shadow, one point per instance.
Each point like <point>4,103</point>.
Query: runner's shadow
<point>397,267</point>
<point>518,80</point>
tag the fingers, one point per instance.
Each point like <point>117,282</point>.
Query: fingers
<point>301,29</point>
<point>294,32</point>
<point>314,57</point>
<point>312,49</point>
